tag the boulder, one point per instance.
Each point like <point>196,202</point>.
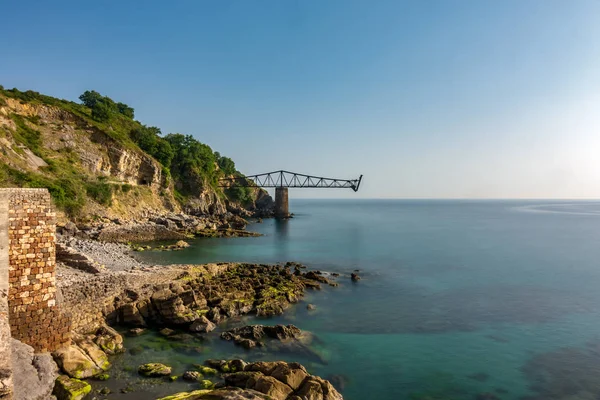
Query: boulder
<point>271,387</point>
<point>206,370</point>
<point>264,367</point>
<point>283,332</point>
<point>33,374</point>
<point>292,374</point>
<point>215,315</point>
<point>313,387</point>
<point>182,244</point>
<point>310,390</point>
<point>66,388</point>
<point>75,362</point>
<point>202,325</point>
<point>206,384</point>
<point>314,276</point>
<point>109,340</point>
<point>240,379</point>
<point>354,276</point>
<point>154,369</point>
<point>130,315</point>
<point>192,376</point>
<point>249,336</point>
<point>236,365</point>
<point>94,352</point>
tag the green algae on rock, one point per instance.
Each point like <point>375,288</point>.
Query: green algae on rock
<point>66,388</point>
<point>154,369</point>
<point>186,395</point>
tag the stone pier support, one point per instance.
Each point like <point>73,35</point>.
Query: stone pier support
<point>282,209</point>
<point>34,316</point>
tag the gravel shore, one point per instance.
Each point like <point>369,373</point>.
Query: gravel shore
<point>114,256</point>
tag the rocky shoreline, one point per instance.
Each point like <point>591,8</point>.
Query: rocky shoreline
<point>156,227</point>
<point>104,286</point>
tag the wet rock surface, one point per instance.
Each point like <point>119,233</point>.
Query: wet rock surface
<point>253,335</point>
<point>195,297</point>
<point>67,388</point>
<point>277,380</point>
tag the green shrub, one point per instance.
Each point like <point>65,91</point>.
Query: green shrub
<point>242,195</point>
<point>101,192</point>
<point>126,188</point>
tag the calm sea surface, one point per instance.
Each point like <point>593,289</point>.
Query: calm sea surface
<point>458,298</point>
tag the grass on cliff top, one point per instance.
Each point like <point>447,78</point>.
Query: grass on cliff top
<point>117,128</point>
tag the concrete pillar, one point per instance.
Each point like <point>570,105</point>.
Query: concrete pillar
<point>5,348</point>
<point>282,209</point>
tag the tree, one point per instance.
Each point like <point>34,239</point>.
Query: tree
<point>90,98</point>
<point>125,110</point>
<point>226,164</point>
<point>101,112</point>
<point>164,152</point>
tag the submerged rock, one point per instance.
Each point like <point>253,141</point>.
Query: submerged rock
<point>136,331</point>
<point>192,376</point>
<point>202,325</point>
<point>66,388</point>
<point>354,277</point>
<point>154,369</point>
<point>182,244</point>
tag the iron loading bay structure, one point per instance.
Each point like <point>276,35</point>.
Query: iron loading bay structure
<point>282,180</point>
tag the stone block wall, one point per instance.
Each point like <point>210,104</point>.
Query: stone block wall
<point>33,313</point>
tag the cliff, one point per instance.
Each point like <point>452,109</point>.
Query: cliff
<point>95,167</point>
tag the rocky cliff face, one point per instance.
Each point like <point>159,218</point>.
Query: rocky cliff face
<point>64,132</point>
<point>52,140</point>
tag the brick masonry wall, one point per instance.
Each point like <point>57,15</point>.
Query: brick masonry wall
<point>33,313</point>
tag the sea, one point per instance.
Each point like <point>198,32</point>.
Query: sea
<point>458,299</point>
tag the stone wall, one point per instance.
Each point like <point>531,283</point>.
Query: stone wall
<point>93,299</point>
<point>33,313</point>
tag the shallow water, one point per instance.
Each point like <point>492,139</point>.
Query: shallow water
<point>458,298</point>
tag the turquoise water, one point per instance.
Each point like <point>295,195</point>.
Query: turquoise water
<point>458,298</point>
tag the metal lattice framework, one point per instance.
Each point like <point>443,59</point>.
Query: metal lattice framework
<point>290,180</point>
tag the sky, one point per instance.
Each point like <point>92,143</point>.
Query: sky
<point>425,98</point>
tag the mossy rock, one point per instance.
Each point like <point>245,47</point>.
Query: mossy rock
<point>206,384</point>
<point>206,370</point>
<point>102,377</point>
<point>154,369</point>
<point>66,388</point>
<point>186,395</point>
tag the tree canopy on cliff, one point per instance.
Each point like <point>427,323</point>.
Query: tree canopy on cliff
<point>192,165</point>
<point>103,107</point>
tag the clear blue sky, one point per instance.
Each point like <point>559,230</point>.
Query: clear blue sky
<point>491,99</point>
